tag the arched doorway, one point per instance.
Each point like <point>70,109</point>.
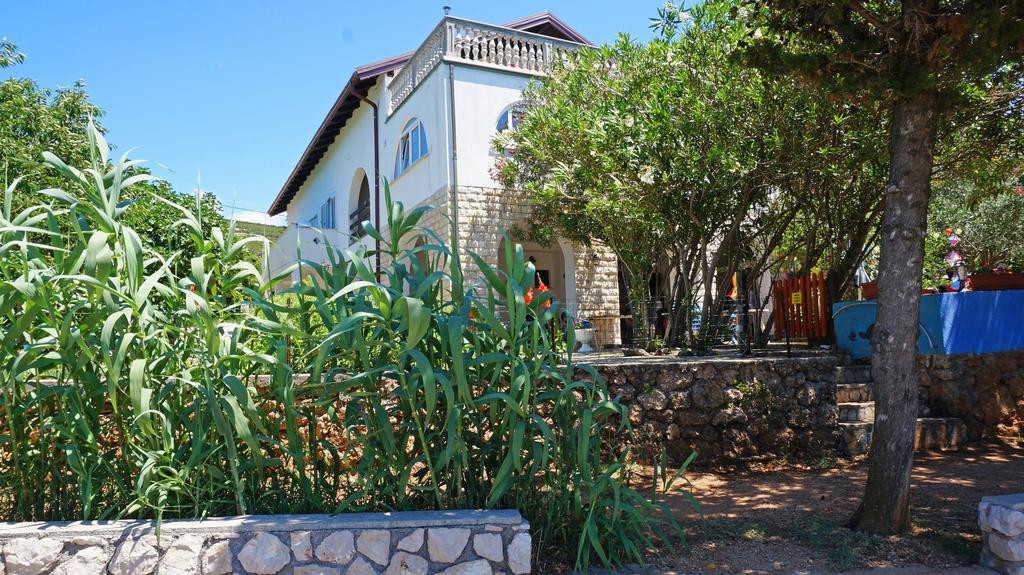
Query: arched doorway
<point>550,263</point>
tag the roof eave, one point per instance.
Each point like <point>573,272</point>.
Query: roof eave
<point>547,17</point>
<point>282,199</point>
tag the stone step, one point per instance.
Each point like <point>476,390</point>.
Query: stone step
<point>853,392</point>
<point>856,411</point>
<point>853,374</point>
<point>854,438</point>
<point>932,434</point>
<point>939,433</point>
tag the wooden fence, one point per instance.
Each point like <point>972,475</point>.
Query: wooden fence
<point>801,307</point>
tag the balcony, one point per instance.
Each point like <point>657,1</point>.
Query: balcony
<point>355,223</point>
<point>467,42</point>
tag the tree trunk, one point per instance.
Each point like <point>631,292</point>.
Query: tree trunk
<point>886,504</point>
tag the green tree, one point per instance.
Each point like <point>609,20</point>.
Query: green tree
<point>920,57</point>
<point>665,152</point>
<point>35,119</point>
<point>990,228</point>
<point>9,54</point>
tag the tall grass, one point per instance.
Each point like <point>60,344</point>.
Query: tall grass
<point>129,391</point>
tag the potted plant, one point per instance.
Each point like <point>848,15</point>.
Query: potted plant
<point>584,335</point>
<point>998,277</point>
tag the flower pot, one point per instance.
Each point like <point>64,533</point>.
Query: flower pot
<point>991,281</point>
<point>585,337</point>
<point>869,290</point>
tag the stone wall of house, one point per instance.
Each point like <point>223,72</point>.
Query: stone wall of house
<point>405,543</point>
<point>728,409</point>
<point>986,391</point>
<point>435,220</point>
<point>486,214</point>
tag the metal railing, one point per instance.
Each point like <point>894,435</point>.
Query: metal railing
<point>355,223</point>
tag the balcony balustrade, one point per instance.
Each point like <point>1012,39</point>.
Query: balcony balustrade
<point>467,42</point>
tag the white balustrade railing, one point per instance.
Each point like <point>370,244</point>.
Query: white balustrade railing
<point>467,42</point>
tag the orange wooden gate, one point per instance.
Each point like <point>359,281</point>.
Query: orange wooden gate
<point>801,305</point>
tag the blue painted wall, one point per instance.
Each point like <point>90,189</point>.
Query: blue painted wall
<point>950,323</point>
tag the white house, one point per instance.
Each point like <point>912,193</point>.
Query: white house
<point>424,121</point>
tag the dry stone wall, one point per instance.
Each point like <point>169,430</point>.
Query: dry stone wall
<point>728,409</point>
<point>986,391</point>
<point>406,543</point>
<point>1001,519</point>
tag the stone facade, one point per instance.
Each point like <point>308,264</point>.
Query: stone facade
<point>404,543</point>
<point>1002,530</point>
<point>486,214</point>
<point>728,409</point>
<point>986,391</point>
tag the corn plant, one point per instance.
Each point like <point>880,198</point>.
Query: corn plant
<point>130,391</point>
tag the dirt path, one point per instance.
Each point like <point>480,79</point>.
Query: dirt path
<point>788,519</point>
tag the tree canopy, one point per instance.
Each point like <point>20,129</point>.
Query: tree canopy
<point>926,60</point>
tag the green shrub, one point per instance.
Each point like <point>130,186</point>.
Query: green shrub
<point>130,391</point>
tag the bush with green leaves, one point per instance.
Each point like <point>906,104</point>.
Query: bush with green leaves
<point>990,227</point>
<point>131,391</point>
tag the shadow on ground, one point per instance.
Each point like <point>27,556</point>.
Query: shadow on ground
<point>788,518</point>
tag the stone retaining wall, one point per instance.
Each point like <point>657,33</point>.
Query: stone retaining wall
<point>728,409</point>
<point>406,543</point>
<point>986,391</point>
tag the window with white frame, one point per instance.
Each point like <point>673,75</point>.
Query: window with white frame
<point>411,146</point>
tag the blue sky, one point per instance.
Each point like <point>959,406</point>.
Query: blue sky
<point>234,90</point>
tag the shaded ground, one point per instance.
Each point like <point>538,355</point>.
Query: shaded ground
<point>788,518</point>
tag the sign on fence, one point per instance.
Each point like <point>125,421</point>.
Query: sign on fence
<point>801,307</point>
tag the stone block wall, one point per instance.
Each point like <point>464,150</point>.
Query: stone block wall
<point>986,391</point>
<point>728,409</point>
<point>486,214</point>
<point>1001,519</point>
<point>435,220</point>
<point>404,543</point>
<point>597,290</point>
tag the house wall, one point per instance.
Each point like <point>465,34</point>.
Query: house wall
<point>481,95</point>
<point>591,280</point>
<point>485,211</point>
<point>430,174</point>
<point>338,174</point>
<point>350,157</point>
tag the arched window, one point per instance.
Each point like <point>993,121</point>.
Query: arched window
<point>510,117</point>
<point>411,146</point>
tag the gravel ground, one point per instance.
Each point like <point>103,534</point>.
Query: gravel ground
<point>787,518</point>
